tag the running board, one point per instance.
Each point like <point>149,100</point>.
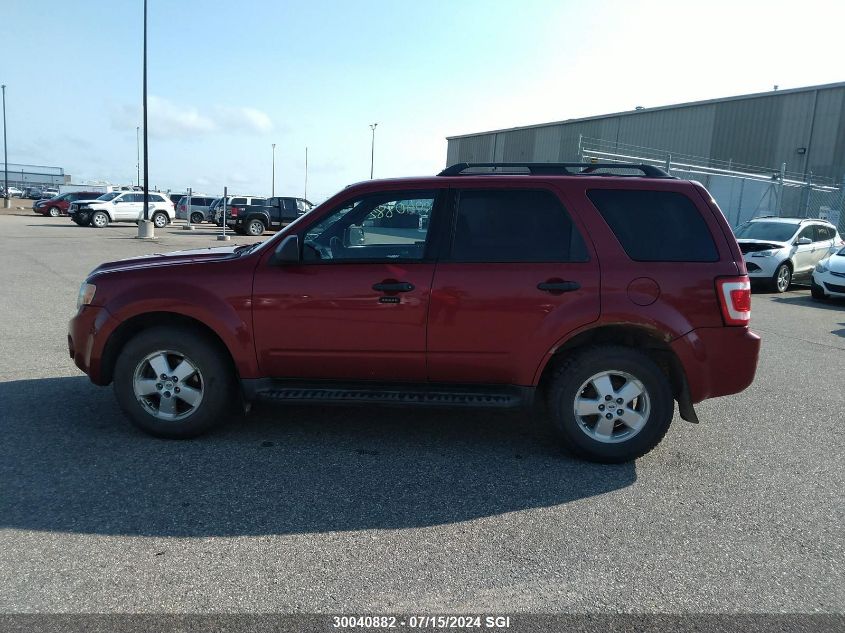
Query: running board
<point>502,397</point>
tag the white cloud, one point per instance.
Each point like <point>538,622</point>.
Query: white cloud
<point>172,120</point>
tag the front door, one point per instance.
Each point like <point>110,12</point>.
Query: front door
<point>128,206</point>
<point>355,306</point>
<point>518,274</point>
<point>805,254</point>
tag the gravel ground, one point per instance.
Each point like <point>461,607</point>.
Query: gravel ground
<point>371,509</point>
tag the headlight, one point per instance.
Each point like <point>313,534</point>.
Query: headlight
<point>86,294</point>
<point>821,267</point>
<point>768,253</point>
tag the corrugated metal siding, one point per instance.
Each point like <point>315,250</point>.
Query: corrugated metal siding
<point>764,130</point>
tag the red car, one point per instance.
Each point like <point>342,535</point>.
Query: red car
<point>608,297</point>
<point>54,207</point>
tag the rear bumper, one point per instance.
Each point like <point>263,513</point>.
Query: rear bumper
<point>718,361</point>
<point>87,334</point>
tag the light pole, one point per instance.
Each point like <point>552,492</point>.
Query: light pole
<point>373,148</point>
<point>145,227</point>
<point>273,185</point>
<point>6,202</point>
<point>138,153</point>
<point>305,194</point>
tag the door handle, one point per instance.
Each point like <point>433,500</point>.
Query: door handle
<point>558,286</point>
<point>393,286</point>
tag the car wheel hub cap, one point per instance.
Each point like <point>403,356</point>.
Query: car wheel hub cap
<point>612,406</point>
<point>168,385</point>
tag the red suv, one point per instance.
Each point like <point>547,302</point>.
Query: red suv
<point>606,292</point>
<point>54,207</point>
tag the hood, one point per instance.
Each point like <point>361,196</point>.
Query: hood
<point>753,246</point>
<point>166,259</point>
<point>836,263</point>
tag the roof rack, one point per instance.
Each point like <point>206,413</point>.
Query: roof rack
<point>559,169</point>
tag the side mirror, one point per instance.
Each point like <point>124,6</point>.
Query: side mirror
<point>353,236</point>
<point>802,241</point>
<point>287,252</point>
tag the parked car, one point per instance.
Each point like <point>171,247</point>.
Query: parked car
<point>13,192</point>
<point>780,250</point>
<point>237,201</point>
<point>199,208</point>
<point>122,206</point>
<point>49,192</point>
<point>176,197</point>
<point>829,277</point>
<point>607,297</point>
<point>32,193</point>
<point>274,213</point>
<point>59,205</point>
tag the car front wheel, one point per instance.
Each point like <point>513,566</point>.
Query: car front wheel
<point>100,219</point>
<point>782,278</point>
<point>54,212</point>
<point>610,404</point>
<point>817,292</point>
<point>173,383</point>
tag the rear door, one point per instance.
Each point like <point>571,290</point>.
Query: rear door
<point>823,242</point>
<point>516,275</point>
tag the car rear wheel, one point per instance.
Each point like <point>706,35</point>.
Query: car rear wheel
<point>196,218</point>
<point>54,212</point>
<point>610,404</point>
<point>782,278</point>
<point>159,220</point>
<point>100,219</point>
<point>174,383</point>
<point>255,228</point>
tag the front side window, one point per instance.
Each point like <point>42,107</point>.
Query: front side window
<point>109,196</point>
<point>656,226</point>
<point>381,226</point>
<point>508,225</point>
<point>807,232</point>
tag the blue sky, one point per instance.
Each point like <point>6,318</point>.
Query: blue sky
<point>227,79</point>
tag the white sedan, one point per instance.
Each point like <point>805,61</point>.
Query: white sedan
<point>829,277</point>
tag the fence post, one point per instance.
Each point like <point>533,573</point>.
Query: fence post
<point>669,163</point>
<point>841,205</point>
<point>780,192</point>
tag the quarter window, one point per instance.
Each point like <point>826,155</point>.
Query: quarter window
<point>656,226</point>
<point>514,226</point>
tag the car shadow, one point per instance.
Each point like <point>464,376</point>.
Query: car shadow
<point>70,462</point>
<point>806,300</point>
<point>840,332</point>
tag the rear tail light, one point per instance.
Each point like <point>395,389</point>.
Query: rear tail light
<point>233,212</point>
<point>735,299</point>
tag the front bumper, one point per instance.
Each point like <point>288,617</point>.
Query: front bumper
<point>718,361</point>
<point>88,332</point>
<point>762,267</point>
<point>831,284</point>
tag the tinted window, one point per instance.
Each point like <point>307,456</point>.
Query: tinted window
<point>514,226</point>
<point>235,201</point>
<point>656,226</point>
<point>823,233</point>
<point>775,231</point>
<point>807,232</point>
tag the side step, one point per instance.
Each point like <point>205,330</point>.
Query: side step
<point>504,397</point>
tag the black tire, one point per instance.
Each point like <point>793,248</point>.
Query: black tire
<point>197,218</point>
<point>99,219</point>
<point>780,285</point>
<point>215,377</point>
<point>54,212</point>
<point>817,292</point>
<point>160,220</point>
<point>565,385</point>
<point>255,227</point>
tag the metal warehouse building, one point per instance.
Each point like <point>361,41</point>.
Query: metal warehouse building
<point>803,128</point>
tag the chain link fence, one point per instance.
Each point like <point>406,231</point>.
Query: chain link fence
<point>742,191</point>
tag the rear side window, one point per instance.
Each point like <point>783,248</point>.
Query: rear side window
<point>823,233</point>
<point>656,226</point>
<point>237,201</point>
<point>508,225</point>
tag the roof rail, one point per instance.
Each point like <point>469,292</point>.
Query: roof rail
<point>560,169</point>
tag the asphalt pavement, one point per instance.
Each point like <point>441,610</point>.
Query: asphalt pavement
<point>363,510</point>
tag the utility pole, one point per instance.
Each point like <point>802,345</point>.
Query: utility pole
<point>7,203</point>
<point>373,149</point>
<point>305,193</point>
<point>273,186</point>
<point>138,154</point>
<point>145,228</point>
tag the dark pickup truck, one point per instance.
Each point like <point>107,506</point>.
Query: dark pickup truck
<point>254,219</point>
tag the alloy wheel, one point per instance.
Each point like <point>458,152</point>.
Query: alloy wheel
<point>168,385</point>
<point>612,406</point>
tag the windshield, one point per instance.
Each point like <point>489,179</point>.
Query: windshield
<point>841,253</point>
<point>109,196</point>
<point>774,231</point>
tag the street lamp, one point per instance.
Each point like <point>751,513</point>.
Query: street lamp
<point>273,185</point>
<point>6,202</point>
<point>145,227</point>
<point>138,153</point>
<point>373,148</point>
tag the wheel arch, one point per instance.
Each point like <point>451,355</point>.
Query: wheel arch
<point>137,324</point>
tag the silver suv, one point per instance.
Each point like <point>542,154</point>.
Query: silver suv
<point>779,250</point>
<point>200,205</point>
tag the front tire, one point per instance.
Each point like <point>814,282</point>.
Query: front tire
<point>782,278</point>
<point>817,292</point>
<point>100,220</point>
<point>54,212</point>
<point>174,383</point>
<point>159,220</point>
<point>610,404</point>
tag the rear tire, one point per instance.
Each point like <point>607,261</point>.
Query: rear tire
<point>100,219</point>
<point>197,218</point>
<point>160,220</point>
<point>782,278</point>
<point>153,404</point>
<point>255,228</point>
<point>587,387</point>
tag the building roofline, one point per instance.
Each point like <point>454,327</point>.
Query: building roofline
<point>687,104</point>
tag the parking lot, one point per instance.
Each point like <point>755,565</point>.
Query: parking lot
<point>356,510</point>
